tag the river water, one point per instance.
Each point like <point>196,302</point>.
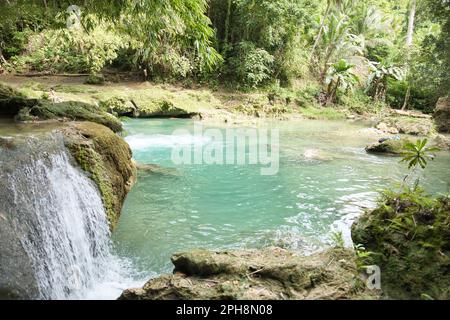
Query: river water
<point>53,225</point>
<point>325,180</point>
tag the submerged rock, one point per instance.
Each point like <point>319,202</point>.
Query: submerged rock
<point>107,158</point>
<point>272,273</point>
<point>442,115</point>
<point>156,169</point>
<point>316,154</point>
<point>409,237</point>
<point>388,146</point>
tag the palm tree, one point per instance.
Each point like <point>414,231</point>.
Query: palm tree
<point>330,3</point>
<point>409,42</point>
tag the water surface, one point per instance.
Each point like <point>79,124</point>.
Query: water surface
<point>324,182</point>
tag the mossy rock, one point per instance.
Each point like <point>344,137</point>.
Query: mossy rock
<point>72,110</point>
<point>391,147</point>
<point>106,157</point>
<point>12,101</point>
<point>409,237</point>
<point>271,273</point>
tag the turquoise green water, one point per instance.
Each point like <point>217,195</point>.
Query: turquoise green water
<point>230,206</point>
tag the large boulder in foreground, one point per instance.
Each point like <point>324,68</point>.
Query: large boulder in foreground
<point>272,273</point>
<point>442,115</point>
<point>409,237</point>
<point>106,157</point>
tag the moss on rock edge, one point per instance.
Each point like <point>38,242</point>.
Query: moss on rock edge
<point>107,158</point>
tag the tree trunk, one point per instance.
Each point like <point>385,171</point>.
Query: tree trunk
<point>227,25</point>
<point>407,96</point>
<point>409,42</point>
<point>319,35</point>
<point>410,33</point>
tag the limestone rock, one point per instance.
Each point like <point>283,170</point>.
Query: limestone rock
<point>392,147</point>
<point>272,273</point>
<point>107,158</point>
<point>387,129</point>
<point>442,115</point>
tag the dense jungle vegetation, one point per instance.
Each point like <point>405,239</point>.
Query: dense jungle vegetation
<point>326,52</point>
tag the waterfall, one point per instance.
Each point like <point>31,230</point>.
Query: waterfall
<point>57,213</point>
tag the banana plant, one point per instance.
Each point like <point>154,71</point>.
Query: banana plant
<point>378,78</point>
<point>339,77</point>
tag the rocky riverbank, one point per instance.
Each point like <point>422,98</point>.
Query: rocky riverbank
<point>272,273</point>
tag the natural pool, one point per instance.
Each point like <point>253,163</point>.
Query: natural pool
<point>325,180</point>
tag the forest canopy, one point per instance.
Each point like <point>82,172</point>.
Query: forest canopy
<point>391,52</point>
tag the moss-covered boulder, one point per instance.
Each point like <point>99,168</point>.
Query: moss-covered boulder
<point>409,237</point>
<point>442,115</point>
<point>389,146</point>
<point>71,110</point>
<point>12,101</point>
<point>272,273</point>
<point>107,158</point>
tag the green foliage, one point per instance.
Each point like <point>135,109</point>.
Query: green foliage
<point>338,239</point>
<point>69,50</point>
<point>340,77</point>
<point>252,66</point>
<point>418,153</point>
<point>95,79</point>
<point>408,235</point>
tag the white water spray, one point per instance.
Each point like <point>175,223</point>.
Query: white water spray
<point>60,214</point>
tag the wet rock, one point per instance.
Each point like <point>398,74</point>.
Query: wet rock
<point>156,169</point>
<point>389,146</point>
<point>107,158</point>
<point>316,154</point>
<point>442,115</point>
<point>272,273</point>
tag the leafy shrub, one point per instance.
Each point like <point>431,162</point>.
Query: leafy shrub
<point>420,99</point>
<point>69,50</point>
<point>95,79</point>
<point>252,65</point>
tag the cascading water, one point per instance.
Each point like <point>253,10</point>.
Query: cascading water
<point>57,215</point>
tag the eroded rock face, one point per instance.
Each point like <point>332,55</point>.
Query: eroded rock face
<point>272,273</point>
<point>442,115</point>
<point>107,158</point>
